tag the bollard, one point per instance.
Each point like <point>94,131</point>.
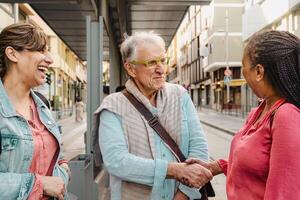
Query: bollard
<point>81,187</point>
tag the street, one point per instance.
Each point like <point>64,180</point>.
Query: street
<point>73,137</point>
<point>219,146</point>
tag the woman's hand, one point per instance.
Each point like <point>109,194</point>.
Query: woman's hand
<point>66,167</point>
<point>54,187</point>
<point>213,166</point>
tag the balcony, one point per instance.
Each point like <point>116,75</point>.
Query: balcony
<point>258,17</point>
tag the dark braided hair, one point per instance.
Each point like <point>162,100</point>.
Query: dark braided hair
<point>279,53</point>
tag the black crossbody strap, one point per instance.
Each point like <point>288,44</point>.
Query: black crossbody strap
<point>154,123</point>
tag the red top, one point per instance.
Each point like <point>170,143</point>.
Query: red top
<point>45,147</point>
<point>264,159</point>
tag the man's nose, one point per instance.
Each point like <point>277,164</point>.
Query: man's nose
<point>160,68</point>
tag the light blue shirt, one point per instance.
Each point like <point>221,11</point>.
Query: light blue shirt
<point>125,166</point>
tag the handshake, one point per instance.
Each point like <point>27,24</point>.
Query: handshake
<point>193,172</point>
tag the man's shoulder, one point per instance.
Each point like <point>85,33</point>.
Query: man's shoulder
<point>113,96</point>
<point>111,102</point>
<point>175,89</point>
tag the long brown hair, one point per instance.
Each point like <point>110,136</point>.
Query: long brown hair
<point>20,36</point>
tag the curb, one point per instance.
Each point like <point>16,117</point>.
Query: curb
<point>219,128</point>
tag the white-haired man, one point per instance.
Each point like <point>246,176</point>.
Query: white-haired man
<point>140,164</point>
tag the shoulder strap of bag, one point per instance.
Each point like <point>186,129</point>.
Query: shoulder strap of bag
<point>154,123</point>
<point>43,98</point>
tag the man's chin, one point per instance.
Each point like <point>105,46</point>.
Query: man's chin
<point>160,86</point>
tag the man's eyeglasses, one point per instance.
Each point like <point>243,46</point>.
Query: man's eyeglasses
<point>152,63</point>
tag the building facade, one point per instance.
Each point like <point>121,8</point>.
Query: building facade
<point>212,37</point>
<point>268,14</point>
<point>202,55</point>
<point>221,46</point>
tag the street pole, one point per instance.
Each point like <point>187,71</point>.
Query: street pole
<point>227,52</point>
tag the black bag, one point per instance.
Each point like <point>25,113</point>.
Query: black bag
<point>207,190</point>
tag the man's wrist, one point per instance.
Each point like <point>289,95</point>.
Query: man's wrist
<point>173,170</point>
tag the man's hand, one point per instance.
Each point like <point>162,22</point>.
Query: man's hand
<point>213,166</point>
<point>53,187</point>
<point>180,196</point>
<point>192,175</point>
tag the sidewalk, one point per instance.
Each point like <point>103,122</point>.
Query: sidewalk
<point>73,136</point>
<point>218,142</point>
<point>222,122</point>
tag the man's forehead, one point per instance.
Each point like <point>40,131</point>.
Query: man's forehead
<point>149,51</point>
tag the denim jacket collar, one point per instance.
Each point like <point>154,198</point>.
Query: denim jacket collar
<point>38,101</point>
<point>6,106</point>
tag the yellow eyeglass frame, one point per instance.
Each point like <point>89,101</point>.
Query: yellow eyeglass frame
<point>151,63</point>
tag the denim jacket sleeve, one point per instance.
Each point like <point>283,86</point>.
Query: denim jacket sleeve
<point>15,186</point>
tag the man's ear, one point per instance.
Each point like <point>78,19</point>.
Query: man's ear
<point>260,72</point>
<point>11,54</point>
<point>130,69</point>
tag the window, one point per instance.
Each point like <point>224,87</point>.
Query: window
<point>22,16</point>
<point>49,43</point>
<point>7,7</point>
<point>236,72</point>
<point>295,20</point>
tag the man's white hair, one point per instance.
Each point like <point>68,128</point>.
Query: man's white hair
<point>129,45</point>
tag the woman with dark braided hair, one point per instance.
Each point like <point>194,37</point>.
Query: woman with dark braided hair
<point>264,160</point>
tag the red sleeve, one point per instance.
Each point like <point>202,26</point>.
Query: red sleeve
<point>284,174</point>
<point>223,164</point>
<point>37,190</point>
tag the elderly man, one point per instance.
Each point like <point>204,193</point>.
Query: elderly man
<point>140,164</point>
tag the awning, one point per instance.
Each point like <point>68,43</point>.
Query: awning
<point>67,18</point>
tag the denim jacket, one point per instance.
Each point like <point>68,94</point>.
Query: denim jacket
<point>17,148</point>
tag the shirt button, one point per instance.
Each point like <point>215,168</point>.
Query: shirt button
<point>49,122</point>
<point>163,196</point>
<point>164,155</point>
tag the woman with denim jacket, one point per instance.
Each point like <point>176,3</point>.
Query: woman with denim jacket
<point>31,164</point>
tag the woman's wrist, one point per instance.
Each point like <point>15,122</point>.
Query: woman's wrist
<point>215,168</point>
